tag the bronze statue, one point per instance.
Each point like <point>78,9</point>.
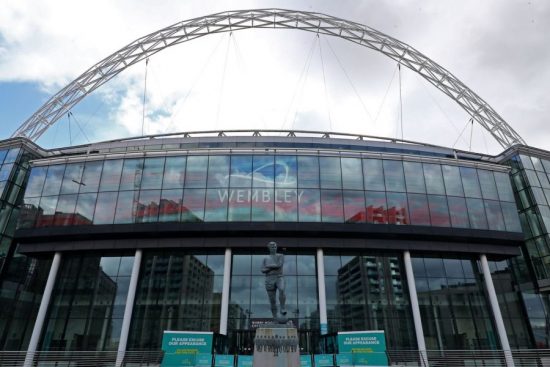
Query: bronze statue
<point>272,267</point>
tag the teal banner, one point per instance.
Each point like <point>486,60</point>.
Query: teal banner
<point>344,359</point>
<point>324,360</point>
<point>244,361</point>
<point>305,361</point>
<point>368,347</point>
<point>203,360</point>
<point>224,360</point>
<point>181,348</point>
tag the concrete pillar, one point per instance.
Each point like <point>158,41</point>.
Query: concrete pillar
<point>415,309</point>
<point>496,311</point>
<point>128,309</point>
<point>224,314</point>
<point>323,319</point>
<point>41,316</point>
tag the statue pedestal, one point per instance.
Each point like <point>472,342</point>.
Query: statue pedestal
<point>276,345</point>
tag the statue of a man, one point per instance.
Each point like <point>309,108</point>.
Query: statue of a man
<point>272,267</point>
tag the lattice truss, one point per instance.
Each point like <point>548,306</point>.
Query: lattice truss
<point>232,21</point>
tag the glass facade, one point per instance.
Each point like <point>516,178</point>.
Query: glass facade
<point>268,188</point>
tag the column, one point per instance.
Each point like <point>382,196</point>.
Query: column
<point>224,314</point>
<point>496,311</point>
<point>323,320</point>
<point>41,316</point>
<point>415,309</point>
<point>128,308</point>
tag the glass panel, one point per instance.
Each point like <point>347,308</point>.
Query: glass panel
<point>398,212</point>
<point>64,215</point>
<point>331,173</point>
<point>494,215</point>
<point>105,207</point>
<point>148,206</point>
<point>91,176</point>
<point>286,174</point>
<point>453,183</point>
<point>263,201</point>
<point>308,172</point>
<point>414,177</point>
<point>174,172</point>
<point>532,178</point>
<point>310,206</point>
<point>53,180</point>
<point>110,177</point>
<point>376,207</point>
<point>263,171</point>
<point>332,206</point>
<point>72,178</point>
<point>152,173</point>
<point>373,174</point>
<point>488,186</point>
<point>29,211</point>
<point>193,205</point>
<point>286,209</point>
<point>170,205</point>
<point>239,201</point>
<point>241,171</point>
<point>504,187</point>
<point>526,161</point>
<point>196,171</point>
<point>434,179</point>
<point>5,171</point>
<point>46,211</point>
<point>476,213</point>
<point>418,210</point>
<point>36,181</point>
<point>352,174</point>
<point>131,174</point>
<point>2,155</point>
<point>218,171</point>
<point>470,182</point>
<point>85,206</point>
<point>511,219</point>
<point>537,165</point>
<point>126,207</point>
<point>354,207</point>
<point>11,157</point>
<point>393,174</point>
<point>216,205</point>
<point>439,213</point>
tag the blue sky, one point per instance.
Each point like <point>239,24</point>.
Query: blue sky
<point>283,79</point>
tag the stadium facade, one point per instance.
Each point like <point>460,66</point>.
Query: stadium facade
<point>375,234</point>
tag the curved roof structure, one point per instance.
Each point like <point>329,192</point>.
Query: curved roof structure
<point>231,21</point>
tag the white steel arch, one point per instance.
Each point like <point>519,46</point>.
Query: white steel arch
<point>231,21</point>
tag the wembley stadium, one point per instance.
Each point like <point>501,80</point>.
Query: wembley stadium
<point>105,246</point>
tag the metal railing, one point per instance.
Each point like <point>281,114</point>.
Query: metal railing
<point>409,358</point>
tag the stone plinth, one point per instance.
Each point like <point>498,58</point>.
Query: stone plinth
<point>276,346</point>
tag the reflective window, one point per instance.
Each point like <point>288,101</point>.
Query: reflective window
<point>5,171</point>
<point>3,155</point>
<point>504,187</point>
<point>126,207</point>
<point>174,172</point>
<point>91,176</point>
<point>418,209</point>
<point>494,215</point>
<point>476,213</point>
<point>196,170</point>
<point>488,186</point>
<point>72,178</point>
<point>36,181</point>
<point>286,171</point>
<point>193,205</point>
<point>354,207</point>
<point>152,173</point>
<point>263,171</point>
<point>331,173</point>
<point>393,174</point>
<point>309,206</point>
<point>332,206</point>
<point>46,211</point>
<point>215,209</point>
<point>434,179</point>
<point>148,206</point>
<point>85,206</point>
<point>352,174</point>
<point>64,214</point>
<point>286,208</point>
<point>105,208</point>
<point>263,201</point>
<point>510,215</point>
<point>414,177</point>
<point>218,171</point>
<point>308,172</point>
<point>373,174</point>
<point>131,174</point>
<point>470,182</point>
<point>376,207</point>
<point>398,211</point>
<point>241,171</point>
<point>170,205</point>
<point>54,177</point>
<point>12,155</point>
<point>453,183</point>
<point>110,177</point>
<point>439,212</point>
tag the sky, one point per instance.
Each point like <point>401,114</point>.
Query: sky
<point>279,79</point>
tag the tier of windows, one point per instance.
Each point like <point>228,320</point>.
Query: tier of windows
<point>268,188</point>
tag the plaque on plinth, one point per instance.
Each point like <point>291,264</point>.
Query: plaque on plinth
<point>276,345</point>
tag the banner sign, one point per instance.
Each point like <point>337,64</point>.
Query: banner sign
<point>256,323</point>
<point>203,360</point>
<point>244,361</point>
<point>305,361</point>
<point>344,359</point>
<point>368,347</point>
<point>224,360</point>
<point>181,348</point>
<point>323,360</point>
